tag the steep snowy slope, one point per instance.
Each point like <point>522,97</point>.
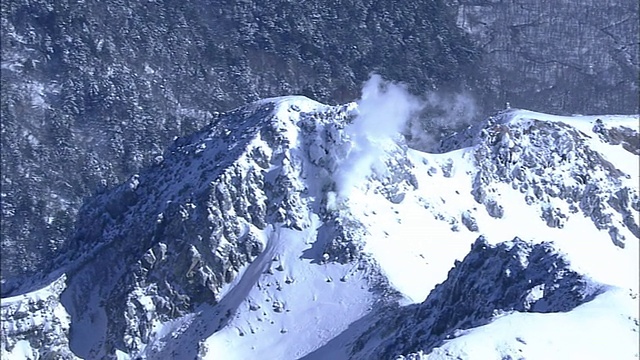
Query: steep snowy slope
<point>288,228</point>
<point>570,181</point>
<point>512,300</point>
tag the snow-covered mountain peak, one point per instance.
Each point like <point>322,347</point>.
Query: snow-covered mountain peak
<point>287,226</point>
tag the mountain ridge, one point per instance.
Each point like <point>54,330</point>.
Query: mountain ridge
<point>248,231</point>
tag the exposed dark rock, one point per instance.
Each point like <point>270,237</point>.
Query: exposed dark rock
<point>469,221</point>
<point>617,238</point>
<point>494,209</point>
<point>533,157</point>
<point>553,217</point>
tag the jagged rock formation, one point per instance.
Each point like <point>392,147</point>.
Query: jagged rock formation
<point>548,161</point>
<point>36,326</point>
<point>197,214</point>
<point>490,281</point>
<point>170,238</point>
<point>624,136</point>
<point>211,241</point>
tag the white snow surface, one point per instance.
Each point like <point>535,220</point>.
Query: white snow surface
<point>604,328</point>
<point>318,302</point>
<point>39,310</point>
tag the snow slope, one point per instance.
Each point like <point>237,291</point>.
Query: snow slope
<point>416,236</point>
<point>35,318</point>
<point>416,240</point>
<point>604,328</point>
<point>294,310</point>
<point>408,242</point>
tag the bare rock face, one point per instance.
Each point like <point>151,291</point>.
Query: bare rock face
<point>165,242</point>
<point>469,221</point>
<point>625,136</point>
<point>547,160</point>
<point>170,238</point>
<point>560,56</point>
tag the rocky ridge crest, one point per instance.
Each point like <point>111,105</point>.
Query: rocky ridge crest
<point>491,281</point>
<point>171,238</point>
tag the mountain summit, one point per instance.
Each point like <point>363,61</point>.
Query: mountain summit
<point>288,229</point>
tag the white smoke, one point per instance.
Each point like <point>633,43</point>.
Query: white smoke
<point>383,113</point>
<point>387,111</point>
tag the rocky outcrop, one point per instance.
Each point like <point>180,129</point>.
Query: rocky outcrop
<point>170,238</point>
<point>545,161</point>
<point>180,231</point>
<point>490,281</point>
<point>469,221</point>
<point>619,135</point>
<point>35,325</point>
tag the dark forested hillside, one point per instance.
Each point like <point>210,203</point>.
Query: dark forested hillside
<point>565,56</point>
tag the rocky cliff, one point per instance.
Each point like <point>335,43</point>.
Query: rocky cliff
<point>492,280</point>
